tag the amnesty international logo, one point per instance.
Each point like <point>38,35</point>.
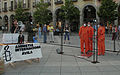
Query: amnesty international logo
<point>7,54</point>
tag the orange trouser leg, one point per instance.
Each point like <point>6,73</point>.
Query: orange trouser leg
<point>86,45</point>
<point>91,45</point>
<point>103,47</point>
<point>99,52</point>
<point>82,45</point>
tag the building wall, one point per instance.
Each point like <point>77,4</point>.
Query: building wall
<point>80,4</point>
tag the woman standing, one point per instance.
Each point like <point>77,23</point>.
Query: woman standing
<point>67,33</point>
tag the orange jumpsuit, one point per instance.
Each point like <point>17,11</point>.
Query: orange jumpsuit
<point>101,40</point>
<point>83,33</point>
<point>90,36</point>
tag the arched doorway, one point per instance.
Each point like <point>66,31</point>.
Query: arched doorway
<point>75,22</point>
<point>58,16</point>
<point>5,20</point>
<point>119,15</point>
<point>89,13</point>
<point>59,19</point>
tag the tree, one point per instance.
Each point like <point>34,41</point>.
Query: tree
<point>107,11</point>
<point>20,14</point>
<point>42,14</point>
<point>70,12</point>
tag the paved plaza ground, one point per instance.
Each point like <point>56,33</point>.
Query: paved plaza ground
<point>68,64</point>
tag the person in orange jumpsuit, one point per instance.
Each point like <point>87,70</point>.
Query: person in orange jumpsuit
<point>83,34</point>
<point>90,36</point>
<point>101,39</point>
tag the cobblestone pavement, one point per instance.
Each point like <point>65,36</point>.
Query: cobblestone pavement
<point>67,64</point>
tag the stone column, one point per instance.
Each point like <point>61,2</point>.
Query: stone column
<point>53,12</point>
<point>54,18</point>
<point>81,18</point>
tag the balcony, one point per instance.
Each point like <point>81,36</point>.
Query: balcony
<point>10,8</point>
<point>74,0</point>
<point>4,9</point>
<point>59,2</point>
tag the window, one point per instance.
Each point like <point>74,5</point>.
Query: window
<point>5,6</point>
<point>15,4</point>
<point>28,3</point>
<point>11,5</point>
<point>24,4</point>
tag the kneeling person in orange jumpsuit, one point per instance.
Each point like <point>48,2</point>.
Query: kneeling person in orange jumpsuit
<point>90,36</point>
<point>101,39</point>
<point>83,34</point>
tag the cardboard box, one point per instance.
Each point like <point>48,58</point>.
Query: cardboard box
<point>1,66</point>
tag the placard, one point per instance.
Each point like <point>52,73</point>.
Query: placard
<point>10,38</point>
<point>20,52</point>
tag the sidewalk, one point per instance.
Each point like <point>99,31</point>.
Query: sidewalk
<point>75,41</point>
<point>67,64</point>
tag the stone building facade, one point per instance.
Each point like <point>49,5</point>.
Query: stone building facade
<point>88,9</point>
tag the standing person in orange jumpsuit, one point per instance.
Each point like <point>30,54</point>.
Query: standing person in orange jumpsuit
<point>90,36</point>
<point>83,34</point>
<point>101,39</point>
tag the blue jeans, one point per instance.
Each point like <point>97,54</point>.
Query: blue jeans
<point>45,37</point>
<point>67,35</point>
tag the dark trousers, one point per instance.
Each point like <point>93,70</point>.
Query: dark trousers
<point>45,37</point>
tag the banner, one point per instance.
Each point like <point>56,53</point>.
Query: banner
<point>10,38</point>
<point>20,52</point>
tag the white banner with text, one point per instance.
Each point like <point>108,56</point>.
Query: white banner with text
<point>21,52</point>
